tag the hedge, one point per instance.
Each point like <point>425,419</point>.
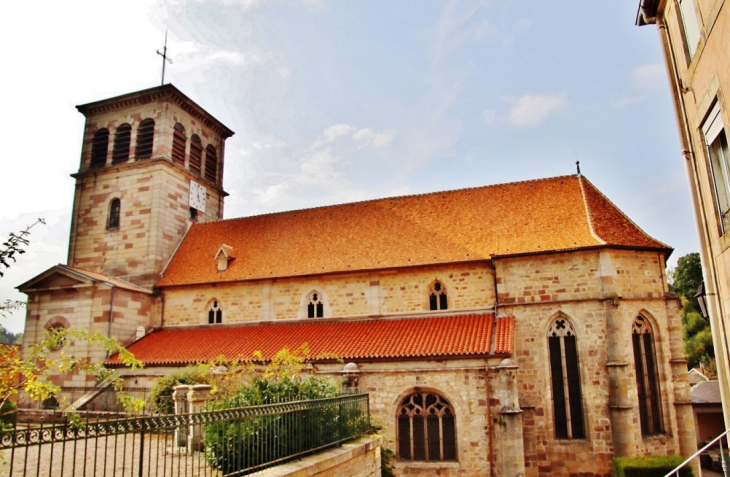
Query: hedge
<point>649,466</point>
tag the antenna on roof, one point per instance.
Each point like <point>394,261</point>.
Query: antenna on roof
<point>577,166</point>
<point>164,57</point>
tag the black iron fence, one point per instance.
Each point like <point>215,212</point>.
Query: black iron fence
<point>227,442</point>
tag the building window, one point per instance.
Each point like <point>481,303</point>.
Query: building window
<point>56,336</point>
<point>215,314</point>
<point>122,141</point>
<point>717,149</point>
<point>437,296</point>
<point>315,307</point>
<point>647,382</point>
<point>691,25</point>
<point>178,144</point>
<point>99,148</point>
<point>145,139</point>
<point>196,153</point>
<point>211,163</point>
<point>565,378</point>
<point>426,428</point>
<point>114,212</point>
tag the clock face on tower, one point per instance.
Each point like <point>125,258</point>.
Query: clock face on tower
<point>198,195</point>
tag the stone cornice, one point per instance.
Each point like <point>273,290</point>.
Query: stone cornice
<point>166,92</point>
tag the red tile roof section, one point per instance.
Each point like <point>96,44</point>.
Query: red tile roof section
<point>560,213</point>
<point>504,335</point>
<point>438,337</point>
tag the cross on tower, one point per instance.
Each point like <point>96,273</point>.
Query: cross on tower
<point>164,58</point>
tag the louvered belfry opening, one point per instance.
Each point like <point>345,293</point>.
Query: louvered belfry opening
<point>426,428</point>
<point>145,139</point>
<point>196,153</point>
<point>647,383</point>
<point>122,143</point>
<point>99,148</point>
<point>211,163</point>
<point>565,380</point>
<point>178,144</point>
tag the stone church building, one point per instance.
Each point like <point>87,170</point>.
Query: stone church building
<point>516,329</point>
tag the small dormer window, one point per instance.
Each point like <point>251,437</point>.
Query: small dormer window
<point>224,256</point>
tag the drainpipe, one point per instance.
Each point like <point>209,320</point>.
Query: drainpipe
<point>709,274</point>
<point>490,424</point>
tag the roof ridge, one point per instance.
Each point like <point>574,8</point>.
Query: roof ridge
<point>394,197</point>
<point>618,209</point>
<point>588,211</point>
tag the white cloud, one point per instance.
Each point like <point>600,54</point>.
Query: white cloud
<point>644,82</point>
<point>532,109</point>
<point>369,137</point>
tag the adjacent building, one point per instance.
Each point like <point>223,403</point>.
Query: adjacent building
<point>695,35</point>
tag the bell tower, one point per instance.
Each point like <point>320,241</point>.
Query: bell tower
<point>151,164</point>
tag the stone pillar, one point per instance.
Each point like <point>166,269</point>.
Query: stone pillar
<point>189,400</point>
<point>680,384</point>
<point>619,382</point>
<point>510,458</point>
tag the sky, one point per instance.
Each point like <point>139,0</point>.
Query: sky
<point>337,101</point>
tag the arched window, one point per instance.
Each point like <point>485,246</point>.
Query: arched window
<point>437,296</point>
<point>647,378</point>
<point>196,153</point>
<point>426,428</point>
<point>114,213</point>
<point>315,307</point>
<point>99,148</point>
<point>145,139</point>
<point>56,336</point>
<point>211,163</point>
<point>565,376</point>
<point>215,313</point>
<point>178,144</point>
<point>122,141</point>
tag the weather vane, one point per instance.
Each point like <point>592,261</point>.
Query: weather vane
<point>164,58</point>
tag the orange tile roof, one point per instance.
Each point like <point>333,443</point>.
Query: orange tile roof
<point>560,213</point>
<point>437,337</point>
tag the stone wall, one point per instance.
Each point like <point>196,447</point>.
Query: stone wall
<point>393,292</point>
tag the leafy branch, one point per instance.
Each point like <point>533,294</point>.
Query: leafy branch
<point>15,245</point>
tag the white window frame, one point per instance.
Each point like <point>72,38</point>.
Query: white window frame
<point>713,131</point>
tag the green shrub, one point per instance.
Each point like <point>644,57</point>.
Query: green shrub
<point>161,393</point>
<point>8,415</point>
<point>649,466</point>
<point>236,445</point>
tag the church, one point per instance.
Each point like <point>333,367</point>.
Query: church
<point>517,329</point>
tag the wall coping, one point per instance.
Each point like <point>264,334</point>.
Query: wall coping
<point>315,464</point>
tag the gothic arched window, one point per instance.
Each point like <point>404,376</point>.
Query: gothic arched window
<point>315,306</point>
<point>565,377</point>
<point>115,207</point>
<point>215,313</point>
<point>647,378</point>
<point>122,141</point>
<point>145,139</point>
<point>99,148</point>
<point>437,296</point>
<point>211,163</point>
<point>426,427</point>
<point>196,152</point>
<point>178,144</point>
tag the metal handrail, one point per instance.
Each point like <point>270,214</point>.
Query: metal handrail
<point>676,470</point>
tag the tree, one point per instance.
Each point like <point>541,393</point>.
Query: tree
<point>686,277</point>
<point>32,371</point>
